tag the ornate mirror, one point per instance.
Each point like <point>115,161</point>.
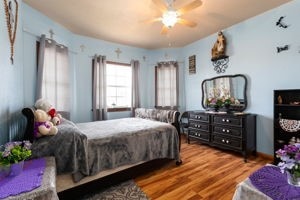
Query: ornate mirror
<point>224,89</point>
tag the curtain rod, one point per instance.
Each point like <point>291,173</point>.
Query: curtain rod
<point>179,62</point>
<point>38,37</point>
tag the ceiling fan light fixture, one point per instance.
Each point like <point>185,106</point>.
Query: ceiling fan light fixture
<point>170,18</point>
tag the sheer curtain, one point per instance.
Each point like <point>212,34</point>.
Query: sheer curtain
<point>99,88</point>
<point>167,85</point>
<point>135,99</point>
<point>53,80</point>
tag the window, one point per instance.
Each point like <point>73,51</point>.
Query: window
<point>118,88</point>
<point>54,75</point>
<point>166,85</point>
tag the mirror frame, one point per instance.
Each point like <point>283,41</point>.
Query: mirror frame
<point>227,76</point>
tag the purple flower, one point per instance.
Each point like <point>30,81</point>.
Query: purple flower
<point>297,156</point>
<point>27,144</point>
<point>281,152</point>
<point>14,152</point>
<point>290,157</point>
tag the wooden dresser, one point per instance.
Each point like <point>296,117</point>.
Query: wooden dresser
<point>226,131</point>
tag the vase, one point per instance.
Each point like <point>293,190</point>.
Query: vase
<point>216,108</point>
<point>16,168</point>
<point>292,179</point>
<point>4,171</point>
<point>227,107</point>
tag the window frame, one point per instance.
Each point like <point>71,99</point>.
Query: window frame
<point>156,91</point>
<point>118,109</point>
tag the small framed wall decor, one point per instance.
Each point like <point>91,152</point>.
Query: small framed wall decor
<point>192,64</point>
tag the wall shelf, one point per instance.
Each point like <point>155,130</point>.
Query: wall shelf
<point>220,64</point>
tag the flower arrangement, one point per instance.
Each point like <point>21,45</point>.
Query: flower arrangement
<point>221,101</point>
<point>290,157</point>
<point>14,152</point>
<point>220,98</point>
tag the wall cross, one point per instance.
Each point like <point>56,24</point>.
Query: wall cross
<point>118,52</point>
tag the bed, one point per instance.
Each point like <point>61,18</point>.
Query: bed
<point>86,149</point>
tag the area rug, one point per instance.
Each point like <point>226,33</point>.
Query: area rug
<point>128,190</point>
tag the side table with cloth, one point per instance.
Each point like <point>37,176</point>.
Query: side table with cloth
<point>267,183</point>
<point>44,189</point>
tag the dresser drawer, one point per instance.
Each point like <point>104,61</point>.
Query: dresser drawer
<point>236,121</point>
<point>227,130</point>
<point>199,135</point>
<point>199,116</point>
<point>232,143</point>
<point>198,125</point>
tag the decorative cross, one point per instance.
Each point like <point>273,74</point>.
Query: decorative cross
<point>118,52</point>
<point>51,34</point>
<point>82,47</point>
<point>167,56</point>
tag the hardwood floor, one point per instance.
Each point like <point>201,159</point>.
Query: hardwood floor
<point>206,173</point>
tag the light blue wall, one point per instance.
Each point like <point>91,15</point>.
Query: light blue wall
<point>11,87</point>
<point>251,47</point>
<point>83,72</point>
<point>154,56</point>
<point>36,24</point>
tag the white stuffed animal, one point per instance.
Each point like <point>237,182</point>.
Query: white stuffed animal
<point>43,104</point>
<point>42,126</point>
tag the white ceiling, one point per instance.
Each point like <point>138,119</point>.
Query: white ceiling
<point>120,21</point>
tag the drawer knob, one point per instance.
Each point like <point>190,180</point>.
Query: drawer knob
<point>196,125</point>
<point>225,120</point>
<point>199,126</point>
<point>228,131</point>
<point>223,130</point>
<point>227,141</point>
<point>223,140</point>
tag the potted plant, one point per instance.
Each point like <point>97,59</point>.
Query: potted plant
<point>13,154</point>
<point>290,162</point>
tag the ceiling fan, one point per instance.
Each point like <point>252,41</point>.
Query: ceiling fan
<point>170,16</point>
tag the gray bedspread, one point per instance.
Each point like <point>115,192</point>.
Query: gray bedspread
<point>87,148</point>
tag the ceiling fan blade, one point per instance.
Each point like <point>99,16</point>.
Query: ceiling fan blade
<point>189,7</point>
<point>164,30</point>
<point>151,20</point>
<point>186,22</point>
<point>161,5</point>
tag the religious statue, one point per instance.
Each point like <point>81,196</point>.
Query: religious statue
<point>219,47</point>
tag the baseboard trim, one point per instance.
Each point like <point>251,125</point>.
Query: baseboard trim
<point>265,156</point>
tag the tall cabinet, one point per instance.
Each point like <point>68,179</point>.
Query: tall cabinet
<point>286,116</point>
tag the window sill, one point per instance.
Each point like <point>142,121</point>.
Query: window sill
<point>118,109</point>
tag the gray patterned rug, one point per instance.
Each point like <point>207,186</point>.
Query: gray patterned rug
<point>128,190</point>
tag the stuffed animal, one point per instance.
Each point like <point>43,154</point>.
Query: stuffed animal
<point>43,104</point>
<point>42,125</point>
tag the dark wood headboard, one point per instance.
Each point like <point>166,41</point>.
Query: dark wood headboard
<point>29,114</point>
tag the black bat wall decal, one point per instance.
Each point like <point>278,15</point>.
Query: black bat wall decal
<point>280,23</point>
<point>284,48</point>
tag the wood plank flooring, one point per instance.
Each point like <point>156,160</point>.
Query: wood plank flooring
<point>206,173</point>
